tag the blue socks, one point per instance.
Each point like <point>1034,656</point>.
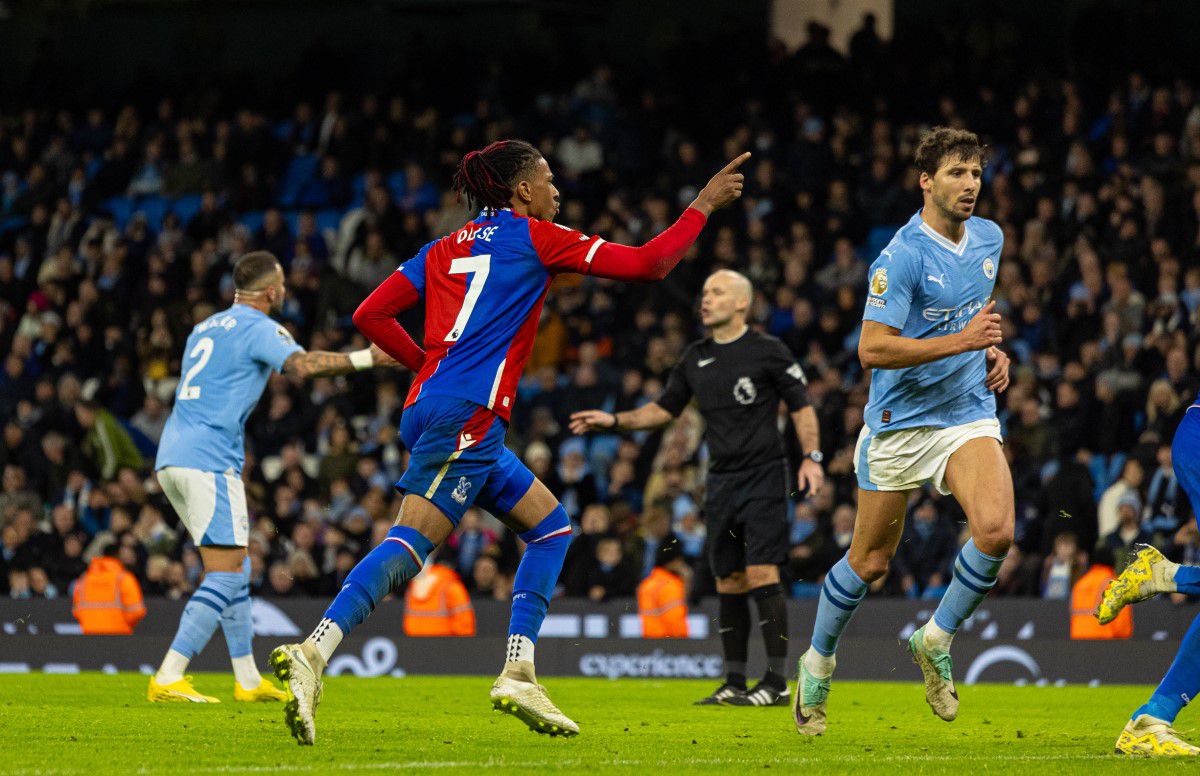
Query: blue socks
<point>841,594</point>
<point>1187,580</point>
<point>397,559</point>
<point>236,621</point>
<point>974,576</point>
<point>1182,681</point>
<point>204,610</point>
<point>537,574</point>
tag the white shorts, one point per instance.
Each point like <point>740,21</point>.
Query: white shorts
<point>911,457</point>
<point>212,505</point>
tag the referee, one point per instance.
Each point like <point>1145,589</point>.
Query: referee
<point>738,377</point>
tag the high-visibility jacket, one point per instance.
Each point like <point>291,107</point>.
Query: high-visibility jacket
<point>108,599</point>
<point>662,605</point>
<point>1084,597</point>
<point>437,604</point>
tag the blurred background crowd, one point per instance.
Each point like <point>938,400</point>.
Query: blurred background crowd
<point>119,222</point>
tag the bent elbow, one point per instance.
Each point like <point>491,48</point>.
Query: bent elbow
<point>362,317</point>
<point>865,356</point>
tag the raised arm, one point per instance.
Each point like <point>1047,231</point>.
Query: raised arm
<point>565,250</point>
<point>656,259</point>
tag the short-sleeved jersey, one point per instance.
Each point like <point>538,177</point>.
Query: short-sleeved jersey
<point>484,287</point>
<point>738,386</point>
<point>226,363</point>
<point>926,286</point>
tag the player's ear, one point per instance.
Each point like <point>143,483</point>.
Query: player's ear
<point>926,181</point>
<point>523,191</point>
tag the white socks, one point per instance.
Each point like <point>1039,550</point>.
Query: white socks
<point>325,638</point>
<point>246,672</point>
<point>519,649</point>
<point>819,665</point>
<point>936,637</point>
<point>172,668</point>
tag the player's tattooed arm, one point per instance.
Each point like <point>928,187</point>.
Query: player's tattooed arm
<point>323,363</point>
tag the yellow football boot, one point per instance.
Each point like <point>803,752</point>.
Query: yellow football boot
<point>1147,575</point>
<point>266,692</point>
<point>181,691</point>
<point>1153,738</point>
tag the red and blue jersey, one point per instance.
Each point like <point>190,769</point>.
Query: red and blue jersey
<point>484,286</point>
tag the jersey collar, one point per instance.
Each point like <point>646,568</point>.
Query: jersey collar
<point>955,248</point>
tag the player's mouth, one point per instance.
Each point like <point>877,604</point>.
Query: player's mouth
<point>968,201</point>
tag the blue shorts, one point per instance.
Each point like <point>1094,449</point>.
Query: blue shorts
<point>1185,456</point>
<point>457,458</point>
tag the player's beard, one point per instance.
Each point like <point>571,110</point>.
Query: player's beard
<point>946,205</point>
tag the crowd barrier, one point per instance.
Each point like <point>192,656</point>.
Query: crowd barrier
<point>1007,640</point>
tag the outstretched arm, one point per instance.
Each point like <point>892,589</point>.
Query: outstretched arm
<point>656,259</point>
<point>649,415</point>
<point>565,250</point>
<point>324,363</point>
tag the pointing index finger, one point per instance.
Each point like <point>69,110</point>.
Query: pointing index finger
<point>736,163</point>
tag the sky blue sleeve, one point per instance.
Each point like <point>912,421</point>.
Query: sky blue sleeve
<point>893,281</point>
<point>414,269</point>
<point>271,344</point>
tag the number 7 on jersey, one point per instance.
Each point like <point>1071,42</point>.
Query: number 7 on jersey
<point>478,267</point>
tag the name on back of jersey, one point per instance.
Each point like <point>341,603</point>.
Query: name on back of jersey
<point>484,233</point>
<point>225,322</point>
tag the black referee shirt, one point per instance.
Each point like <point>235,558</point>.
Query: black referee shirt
<point>737,386</point>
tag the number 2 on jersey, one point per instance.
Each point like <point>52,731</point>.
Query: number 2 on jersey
<point>478,267</point>
<point>202,352</point>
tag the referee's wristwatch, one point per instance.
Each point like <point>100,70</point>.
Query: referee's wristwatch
<point>816,456</point>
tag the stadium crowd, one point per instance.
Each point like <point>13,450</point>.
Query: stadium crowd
<point>118,227</point>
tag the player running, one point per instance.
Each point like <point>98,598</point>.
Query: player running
<point>929,333</point>
<point>483,287</point>
<point>226,363</point>
<point>1150,730</point>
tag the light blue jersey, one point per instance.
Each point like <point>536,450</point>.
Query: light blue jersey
<point>226,363</point>
<point>926,286</point>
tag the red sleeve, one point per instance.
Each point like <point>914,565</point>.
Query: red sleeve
<point>561,248</point>
<point>655,259</point>
<point>376,319</point>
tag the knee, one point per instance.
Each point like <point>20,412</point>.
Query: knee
<point>871,565</point>
<point>761,576</point>
<point>995,536</point>
<point>734,584</point>
<point>994,542</point>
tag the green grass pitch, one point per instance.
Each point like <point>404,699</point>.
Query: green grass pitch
<point>91,723</point>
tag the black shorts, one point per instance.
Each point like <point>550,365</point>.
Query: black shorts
<point>747,516</point>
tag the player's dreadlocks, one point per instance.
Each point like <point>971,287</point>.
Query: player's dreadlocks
<point>944,143</point>
<point>486,177</point>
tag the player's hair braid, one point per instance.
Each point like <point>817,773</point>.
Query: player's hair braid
<point>487,176</point>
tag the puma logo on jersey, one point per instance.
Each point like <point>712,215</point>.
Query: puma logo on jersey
<point>705,362</point>
<point>940,279</point>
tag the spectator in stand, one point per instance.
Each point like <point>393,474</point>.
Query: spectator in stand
<point>662,595</point>
<point>1108,512</point>
<point>924,560</point>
